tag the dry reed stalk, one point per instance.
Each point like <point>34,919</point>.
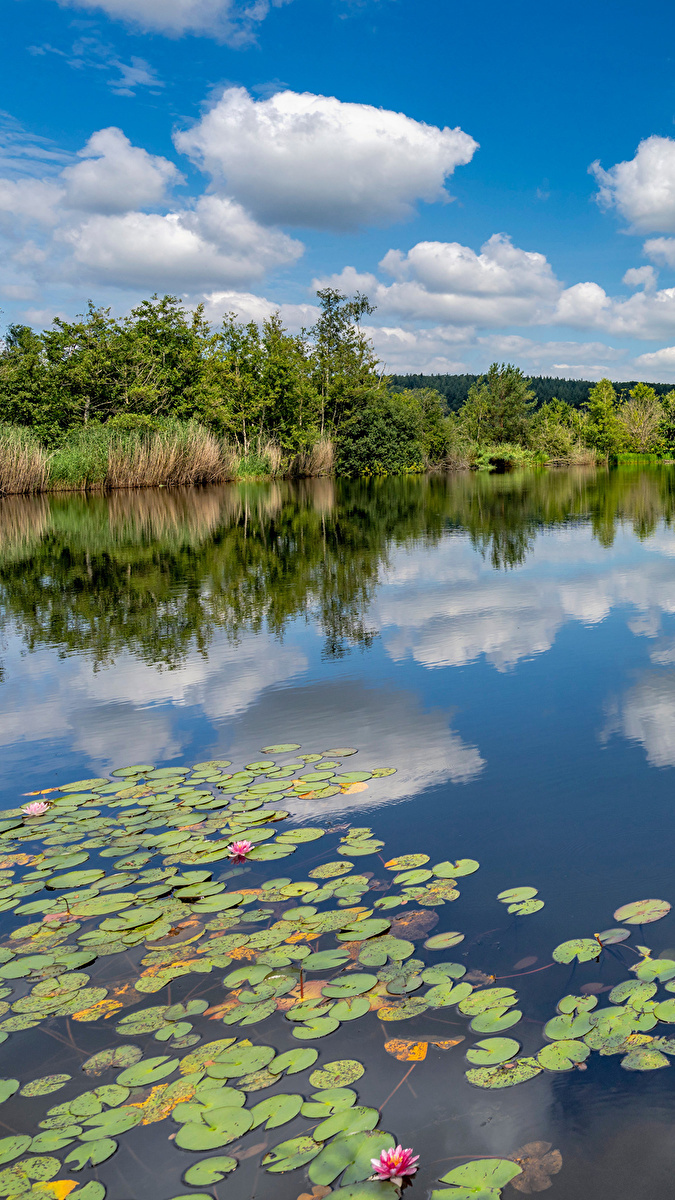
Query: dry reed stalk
<point>168,459</point>
<point>318,460</point>
<point>23,464</point>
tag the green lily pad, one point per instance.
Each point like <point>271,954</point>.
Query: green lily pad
<point>223,1125</point>
<point>610,937</point>
<point>444,994</point>
<point>506,1075</point>
<point>443,941</point>
<point>656,968</point>
<point>266,853</point>
<point>337,1074</point>
<point>350,1010</point>
<point>12,1147</point>
<point>562,1055</point>
<point>315,1027</point>
<point>350,985</point>
<point>665,1011</point>
<point>149,1070</point>
<point>525,907</point>
<point>289,1155</point>
<point>348,1120</point>
<point>495,1020</point>
<point>644,1060</point>
<point>584,949</point>
<point>480,1180</point>
<point>632,989</point>
<point>91,1153</point>
<point>492,1051</point>
<point>276,1110</point>
<point>209,1170</point>
<point>569,1025</point>
<point>516,895</point>
<point>294,1061</point>
<point>570,1004</point>
<point>406,862</point>
<point>241,1059</point>
<point>642,912</point>
<point>45,1085</point>
<point>351,1154</point>
<point>330,870</point>
<point>283,748</point>
<point>7,1088</point>
<point>360,931</point>
<point>111,1123</point>
<point>325,960</point>
<point>454,870</point>
<point>403,1010</point>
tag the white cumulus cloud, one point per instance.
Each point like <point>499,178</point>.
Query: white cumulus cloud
<point>216,242</point>
<point>227,20</point>
<point>316,161</point>
<point>643,188</point>
<point>115,176</point>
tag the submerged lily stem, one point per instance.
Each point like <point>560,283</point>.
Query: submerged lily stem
<point>398,1085</point>
<point>519,973</point>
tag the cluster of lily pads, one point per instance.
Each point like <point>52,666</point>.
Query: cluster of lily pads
<point>185,917</point>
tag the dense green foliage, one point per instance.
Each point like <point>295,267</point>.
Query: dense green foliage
<point>455,388</point>
<point>250,385</point>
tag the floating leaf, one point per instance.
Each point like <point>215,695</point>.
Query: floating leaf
<point>91,1153</point>
<point>526,907</point>
<point>289,1155</point>
<point>482,1179</point>
<point>74,879</point>
<point>444,994</point>
<point>330,870</point>
<point>610,937</point>
<point>642,912</point>
<point>563,1055</point>
<point>209,1170</point>
<point>350,985</point>
<point>569,1025</point>
<point>454,870</point>
<point>226,1125</point>
<point>276,1110</point>
<point>360,931</point>
<point>337,1074</point>
<point>350,1010</point>
<point>665,1011</point>
<point>316,1027</point>
<point>584,949</point>
<point>12,1147</point>
<point>348,1120</point>
<point>7,1088</point>
<point>45,1085</point>
<point>507,1075</point>
<point>632,990</point>
<point>403,1010</point>
<point>241,1059</point>
<point>351,1154</point>
<point>443,941</point>
<point>515,895</point>
<point>289,747</point>
<point>294,1061</point>
<point>644,1060</point>
<point>656,968</point>
<point>496,1020</point>
<point>406,862</point>
<point>149,1070</point>
<point>492,1051</point>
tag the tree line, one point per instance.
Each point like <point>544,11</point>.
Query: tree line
<point>283,400</point>
<point>455,388</point>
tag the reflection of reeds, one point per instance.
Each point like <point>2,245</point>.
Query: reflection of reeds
<point>158,515</point>
<point>23,461</point>
<point>23,522</point>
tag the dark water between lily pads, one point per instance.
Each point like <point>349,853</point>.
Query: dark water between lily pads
<point>507,644</point>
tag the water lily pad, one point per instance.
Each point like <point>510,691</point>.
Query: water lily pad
<point>149,1070</point>
<point>285,748</point>
<point>276,1110</point>
<point>631,990</point>
<point>413,1006</point>
<point>665,1011</point>
<point>442,995</point>
<point>584,949</point>
<point>337,1074</point>
<point>406,862</point>
<point>350,1010</point>
<point>454,870</point>
<point>316,1027</point>
<point>348,1120</point>
<point>7,1088</point>
<point>45,1085</point>
<point>360,931</point>
<point>443,941</point>
<point>496,1020</point>
<point>492,1051</point>
<point>568,1025</point>
<point>506,1075</point>
<point>350,985</point>
<point>12,1147</point>
<point>219,1128</point>
<point>209,1170</point>
<point>525,907</point>
<point>241,1059</point>
<point>570,1004</point>
<point>91,1153</point>
<point>482,1180</point>
<point>515,895</point>
<point>294,1061</point>
<point>642,912</point>
<point>644,1060</point>
<point>351,1154</point>
<point>289,1155</point>
<point>330,870</point>
<point>656,968</point>
<point>610,937</point>
<point>563,1055</point>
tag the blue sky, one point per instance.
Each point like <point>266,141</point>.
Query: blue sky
<point>237,153</point>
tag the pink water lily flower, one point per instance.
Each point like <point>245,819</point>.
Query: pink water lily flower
<point>37,808</point>
<point>238,850</point>
<point>394,1164</point>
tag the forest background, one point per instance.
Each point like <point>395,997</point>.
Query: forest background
<point>160,397</point>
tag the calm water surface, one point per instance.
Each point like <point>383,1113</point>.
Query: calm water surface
<point>506,642</point>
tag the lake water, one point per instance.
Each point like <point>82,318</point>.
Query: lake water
<point>506,642</point>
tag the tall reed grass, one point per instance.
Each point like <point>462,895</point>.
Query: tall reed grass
<point>24,463</point>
